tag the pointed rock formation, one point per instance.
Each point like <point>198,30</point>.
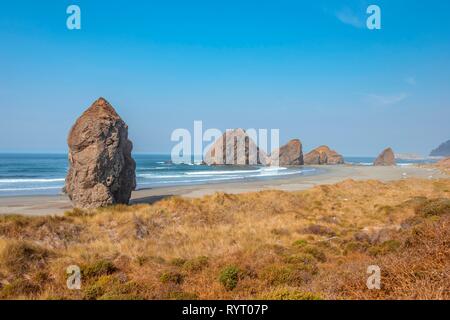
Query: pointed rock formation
<point>386,158</point>
<point>290,154</point>
<point>235,147</point>
<point>323,155</point>
<point>102,171</point>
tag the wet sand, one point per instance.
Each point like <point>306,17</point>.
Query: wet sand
<point>58,204</point>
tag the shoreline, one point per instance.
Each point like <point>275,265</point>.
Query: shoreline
<point>39,205</point>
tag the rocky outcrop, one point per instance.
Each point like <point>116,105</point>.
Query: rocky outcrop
<point>442,151</point>
<point>235,147</point>
<point>386,158</point>
<point>323,155</point>
<point>102,171</point>
<point>290,154</point>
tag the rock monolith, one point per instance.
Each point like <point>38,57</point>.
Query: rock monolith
<point>101,168</point>
<point>290,154</point>
<point>235,147</point>
<point>386,158</point>
<point>323,155</point>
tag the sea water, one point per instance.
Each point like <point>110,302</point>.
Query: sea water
<point>43,174</point>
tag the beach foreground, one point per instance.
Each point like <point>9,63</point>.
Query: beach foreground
<point>318,243</point>
<point>57,205</point>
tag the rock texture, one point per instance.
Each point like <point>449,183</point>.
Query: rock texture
<point>235,147</point>
<point>290,154</point>
<point>442,151</point>
<point>323,155</point>
<point>386,158</point>
<point>102,171</point>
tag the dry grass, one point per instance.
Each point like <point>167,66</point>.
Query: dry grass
<point>314,244</point>
<point>444,165</point>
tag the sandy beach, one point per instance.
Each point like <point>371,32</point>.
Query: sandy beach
<point>57,205</point>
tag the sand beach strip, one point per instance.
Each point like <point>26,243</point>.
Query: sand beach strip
<point>57,205</point>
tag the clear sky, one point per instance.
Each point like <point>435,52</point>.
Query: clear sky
<point>310,68</point>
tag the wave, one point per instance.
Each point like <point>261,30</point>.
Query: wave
<point>405,164</point>
<point>225,172</point>
<point>29,180</point>
<point>191,181</point>
<point>230,173</point>
<point>158,176</point>
<point>271,174</point>
<point>30,189</point>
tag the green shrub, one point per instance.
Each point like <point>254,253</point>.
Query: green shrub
<point>300,243</point>
<point>196,264</point>
<point>289,294</point>
<point>385,247</point>
<point>98,268</point>
<point>353,246</point>
<point>19,287</point>
<point>436,207</point>
<point>301,258</point>
<point>181,295</point>
<point>116,297</point>
<point>19,256</point>
<point>99,287</point>
<point>277,274</point>
<point>93,292</point>
<point>108,287</point>
<point>229,277</point>
<point>293,274</point>
<point>316,253</point>
<point>122,291</point>
<point>177,262</point>
<point>171,277</point>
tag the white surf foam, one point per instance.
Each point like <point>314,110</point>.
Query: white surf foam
<point>226,172</point>
<point>31,180</point>
<point>29,189</point>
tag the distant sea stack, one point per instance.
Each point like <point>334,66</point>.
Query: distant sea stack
<point>442,151</point>
<point>290,154</point>
<point>386,158</point>
<point>102,171</point>
<point>235,147</point>
<point>323,155</point>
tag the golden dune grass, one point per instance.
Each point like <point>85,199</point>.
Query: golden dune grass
<point>444,165</point>
<point>313,244</point>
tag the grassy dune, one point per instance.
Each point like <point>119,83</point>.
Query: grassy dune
<point>314,244</point>
<point>444,165</point>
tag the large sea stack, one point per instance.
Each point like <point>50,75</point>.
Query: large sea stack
<point>235,147</point>
<point>290,154</point>
<point>323,155</point>
<point>102,171</point>
<point>386,158</point>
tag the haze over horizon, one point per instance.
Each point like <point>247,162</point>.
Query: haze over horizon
<point>313,70</point>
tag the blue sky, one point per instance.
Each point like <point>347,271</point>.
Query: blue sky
<point>310,68</point>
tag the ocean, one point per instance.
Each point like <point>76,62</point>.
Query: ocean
<point>43,174</point>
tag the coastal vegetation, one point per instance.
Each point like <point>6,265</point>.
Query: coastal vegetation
<point>313,244</point>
